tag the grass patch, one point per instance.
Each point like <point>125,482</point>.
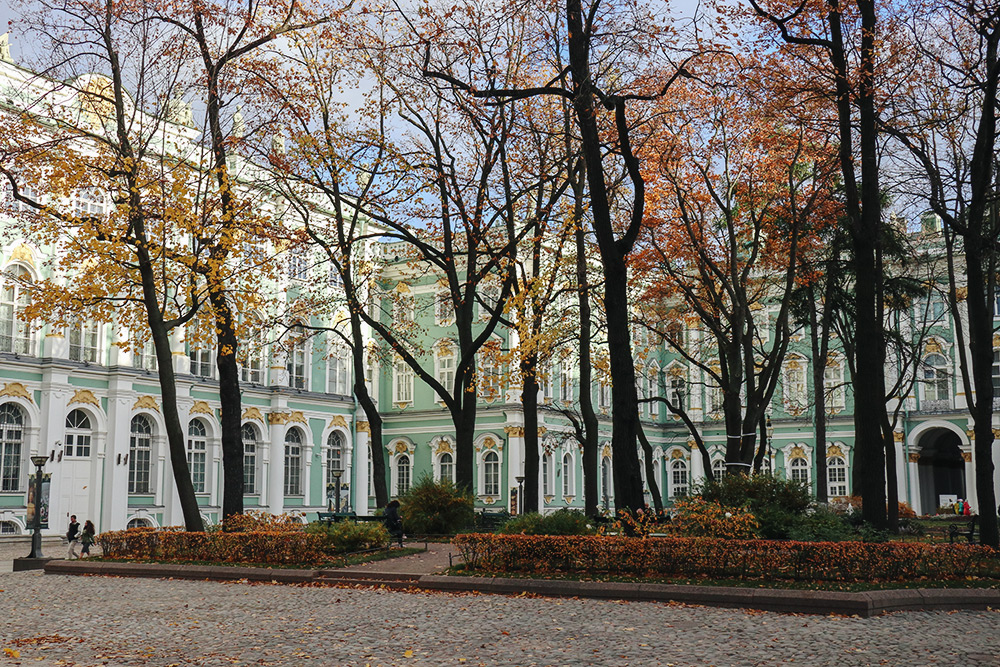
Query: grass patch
<point>847,587</point>
<point>346,560</point>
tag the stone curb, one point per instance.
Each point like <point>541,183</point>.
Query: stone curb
<point>865,604</point>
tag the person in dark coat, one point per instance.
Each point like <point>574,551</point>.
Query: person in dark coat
<point>87,537</point>
<point>394,522</point>
<point>73,537</point>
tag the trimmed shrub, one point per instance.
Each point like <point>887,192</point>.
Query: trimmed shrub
<point>727,559</point>
<point>260,521</point>
<point>435,508</point>
<point>349,536</point>
<point>560,522</point>
<point>273,548</point>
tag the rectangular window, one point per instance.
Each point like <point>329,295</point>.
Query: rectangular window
<point>296,365</point>
<point>444,308</point>
<point>298,263</point>
<point>446,370</point>
<point>338,373</point>
<point>144,355</point>
<point>403,383</point>
<point>293,470</point>
<point>10,457</point>
<point>252,367</point>
<point>201,362</point>
<point>249,466</point>
<point>83,342</point>
<point>546,474</point>
<point>90,203</point>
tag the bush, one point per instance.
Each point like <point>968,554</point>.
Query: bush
<point>560,522</point>
<point>703,518</point>
<point>727,559</point>
<point>350,536</point>
<point>435,508</point>
<point>855,504</point>
<point>777,503</point>
<point>821,524</point>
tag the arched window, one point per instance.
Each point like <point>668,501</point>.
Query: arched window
<point>78,434</point>
<point>402,474</point>
<point>678,478</point>
<point>718,469</point>
<point>569,488</point>
<point>15,334</point>
<point>197,446</point>
<point>446,467</point>
<point>140,450</point>
<point>606,479</point>
<point>250,440</point>
<point>334,456</point>
<point>137,522</point>
<point>799,470</point>
<point>937,385</point>
<point>491,474</point>
<point>9,528</point>
<point>836,474</point>
<point>293,463</point>
<point>11,440</point>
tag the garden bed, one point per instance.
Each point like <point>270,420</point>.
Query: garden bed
<point>721,559</point>
<point>345,560</point>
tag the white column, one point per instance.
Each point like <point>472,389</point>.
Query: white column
<point>359,485</point>
<point>275,501</point>
<point>970,477</point>
<point>913,471</point>
<point>515,463</point>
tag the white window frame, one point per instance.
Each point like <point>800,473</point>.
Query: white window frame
<point>251,450</point>
<point>402,383</point>
<point>439,467</point>
<point>294,445</point>
<point>297,364</point>
<point>936,378</point>
<point>680,479</point>
<point>12,446</point>
<point>338,372</point>
<point>548,474</point>
<point>140,464</point>
<point>399,488</point>
<point>144,355</point>
<point>833,385</point>
<point>444,308</point>
<point>445,366</point>
<point>197,454</point>
<point>84,341</point>
<point>201,362</point>
<point>837,487</point>
<point>568,475</point>
<point>16,335</point>
<point>79,434</point>
<point>491,469</point>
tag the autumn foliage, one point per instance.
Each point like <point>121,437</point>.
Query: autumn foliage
<point>726,559</point>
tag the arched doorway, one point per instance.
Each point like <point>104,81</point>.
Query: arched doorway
<point>941,468</point>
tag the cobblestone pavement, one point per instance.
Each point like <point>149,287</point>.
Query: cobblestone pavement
<point>53,620</point>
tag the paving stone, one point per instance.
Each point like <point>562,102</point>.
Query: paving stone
<point>67,621</point>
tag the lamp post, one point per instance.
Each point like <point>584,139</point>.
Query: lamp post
<point>336,480</point>
<point>36,536</point>
<point>520,492</point>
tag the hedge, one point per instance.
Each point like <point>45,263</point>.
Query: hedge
<point>268,547</point>
<point>727,559</point>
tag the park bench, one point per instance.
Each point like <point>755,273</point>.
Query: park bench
<point>335,517</point>
<point>490,521</point>
<point>969,531</point>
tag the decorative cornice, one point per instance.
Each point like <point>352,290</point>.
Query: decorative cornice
<point>16,390</point>
<point>676,454</point>
<point>338,420</point>
<point>443,445</point>
<point>834,450</point>
<point>84,396</point>
<point>514,431</point>
<point>797,453</point>
<point>487,443</point>
<point>200,407</point>
<point>286,417</point>
<point>147,402</point>
<point>253,413</point>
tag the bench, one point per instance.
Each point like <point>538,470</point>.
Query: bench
<point>969,531</point>
<point>490,521</point>
<point>334,517</point>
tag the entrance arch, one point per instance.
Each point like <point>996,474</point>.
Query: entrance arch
<point>941,468</point>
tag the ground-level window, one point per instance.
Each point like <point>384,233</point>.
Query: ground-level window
<point>718,469</point>
<point>799,470</point>
<point>678,478</point>
<point>446,468</point>
<point>9,528</point>
<point>11,434</point>
<point>250,440</point>
<point>293,463</point>
<point>567,471</point>
<point>140,454</point>
<point>197,446</point>
<point>139,523</point>
<point>402,475</point>
<point>491,474</point>
<point>836,474</point>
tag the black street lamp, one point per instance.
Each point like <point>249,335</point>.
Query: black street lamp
<point>336,480</point>
<point>520,492</point>
<point>36,536</point>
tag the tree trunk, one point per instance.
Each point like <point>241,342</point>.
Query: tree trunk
<point>371,413</point>
<point>465,435</point>
<point>817,341</point>
<point>625,416</point>
<point>231,405</point>
<point>591,466</point>
<point>529,403</point>
<point>654,488</point>
<point>168,393</point>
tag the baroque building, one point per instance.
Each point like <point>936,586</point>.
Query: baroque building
<point>91,405</point>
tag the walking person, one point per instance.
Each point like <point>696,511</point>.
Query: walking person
<point>87,537</point>
<point>394,522</point>
<point>73,537</point>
